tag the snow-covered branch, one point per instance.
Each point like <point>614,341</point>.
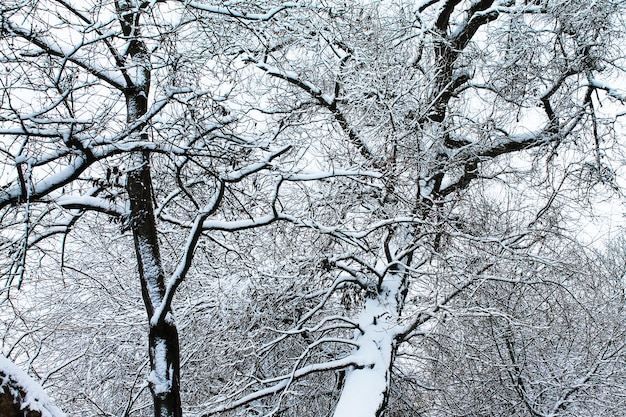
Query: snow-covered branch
<point>103,205</point>
<point>19,393</point>
<point>238,14</point>
<point>70,55</point>
<point>610,90</point>
<point>53,182</point>
<point>283,381</point>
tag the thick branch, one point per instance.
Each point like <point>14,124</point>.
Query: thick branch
<point>444,16</point>
<point>55,52</point>
<point>42,188</point>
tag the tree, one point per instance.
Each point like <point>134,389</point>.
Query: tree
<point>524,348</point>
<point>483,119</point>
<point>93,95</point>
<point>420,149</point>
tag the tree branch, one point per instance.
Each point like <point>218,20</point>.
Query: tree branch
<point>52,51</point>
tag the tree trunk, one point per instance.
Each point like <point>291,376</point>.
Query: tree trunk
<point>164,352</point>
<point>366,387</point>
<point>164,379</point>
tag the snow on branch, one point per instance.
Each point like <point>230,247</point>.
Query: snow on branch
<point>228,11</point>
<point>42,188</point>
<point>611,91</point>
<point>24,394</point>
<point>93,204</point>
<point>285,380</point>
<point>36,132</point>
<point>225,225</point>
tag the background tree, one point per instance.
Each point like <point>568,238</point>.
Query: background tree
<point>552,346</point>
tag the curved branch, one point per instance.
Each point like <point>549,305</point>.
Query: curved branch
<point>56,52</point>
<point>227,11</point>
<point>285,381</point>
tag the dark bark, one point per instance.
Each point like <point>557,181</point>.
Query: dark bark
<point>163,333</point>
<point>143,225</point>
<point>17,397</point>
<point>11,403</point>
<point>163,340</point>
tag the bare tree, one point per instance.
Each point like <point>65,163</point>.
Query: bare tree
<point>399,157</point>
<point>94,95</point>
<point>483,118</point>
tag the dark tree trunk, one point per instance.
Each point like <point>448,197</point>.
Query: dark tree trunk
<point>163,336</point>
<point>164,379</point>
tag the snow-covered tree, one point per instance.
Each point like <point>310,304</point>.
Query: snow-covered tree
<point>98,95</point>
<point>489,121</point>
<point>344,183</point>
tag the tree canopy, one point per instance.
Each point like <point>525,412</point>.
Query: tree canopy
<point>368,208</point>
